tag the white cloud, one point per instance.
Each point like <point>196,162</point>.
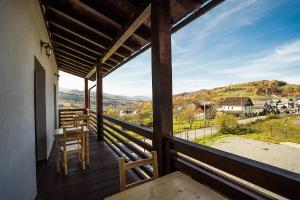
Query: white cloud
<point>273,64</point>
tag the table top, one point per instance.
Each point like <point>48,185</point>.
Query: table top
<point>173,186</point>
<point>60,131</point>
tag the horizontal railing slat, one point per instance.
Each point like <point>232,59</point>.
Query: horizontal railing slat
<point>128,145</point>
<point>274,179</point>
<point>147,133</point>
<point>143,144</point>
<point>128,154</point>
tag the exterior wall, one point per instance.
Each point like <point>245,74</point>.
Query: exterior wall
<point>232,108</point>
<point>22,28</point>
<point>245,109</point>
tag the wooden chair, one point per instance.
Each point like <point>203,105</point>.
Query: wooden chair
<point>73,143</point>
<point>123,167</point>
<point>82,120</point>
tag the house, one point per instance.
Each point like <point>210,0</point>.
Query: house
<point>205,111</point>
<point>262,107</point>
<point>237,105</point>
<point>128,112</point>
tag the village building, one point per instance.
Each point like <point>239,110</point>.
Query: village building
<point>205,111</point>
<point>238,105</point>
<point>127,112</point>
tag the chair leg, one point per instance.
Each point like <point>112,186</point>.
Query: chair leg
<point>58,158</point>
<point>66,163</point>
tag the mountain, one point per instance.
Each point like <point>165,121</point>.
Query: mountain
<point>257,90</point>
<point>262,89</point>
<point>74,98</point>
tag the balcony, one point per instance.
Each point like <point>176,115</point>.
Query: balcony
<point>91,39</point>
<point>233,176</point>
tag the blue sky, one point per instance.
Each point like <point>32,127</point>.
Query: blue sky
<point>239,41</point>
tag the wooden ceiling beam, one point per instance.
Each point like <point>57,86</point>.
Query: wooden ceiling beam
<point>72,67</point>
<point>139,17</point>
<point>76,34</point>
<point>137,36</point>
<point>71,59</point>
<point>80,23</point>
<point>72,64</point>
<point>73,24</point>
<point>56,28</point>
<point>76,52</point>
<point>75,48</point>
<point>119,19</point>
<point>88,62</point>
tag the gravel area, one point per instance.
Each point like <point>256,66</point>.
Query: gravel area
<point>284,156</point>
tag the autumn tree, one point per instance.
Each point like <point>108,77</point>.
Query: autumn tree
<point>188,114</point>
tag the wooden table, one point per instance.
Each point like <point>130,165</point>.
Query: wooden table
<point>58,134</point>
<point>173,186</point>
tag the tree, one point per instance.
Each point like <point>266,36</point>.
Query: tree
<point>225,120</point>
<point>112,112</point>
<point>188,114</point>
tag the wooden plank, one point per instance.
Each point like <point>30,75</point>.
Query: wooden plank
<point>142,144</point>
<point>161,79</point>
<point>130,146</point>
<point>59,55</point>
<point>215,182</point>
<point>128,154</point>
<point>72,49</point>
<point>98,181</point>
<point>145,132</point>
<point>72,55</point>
<point>283,182</point>
<point>139,17</point>
<point>174,186</point>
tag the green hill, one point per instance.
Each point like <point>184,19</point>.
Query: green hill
<point>256,90</point>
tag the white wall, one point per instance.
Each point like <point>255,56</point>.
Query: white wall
<point>21,29</point>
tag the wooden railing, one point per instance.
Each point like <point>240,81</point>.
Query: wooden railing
<point>129,141</point>
<point>66,115</point>
<point>234,176</point>
<point>211,167</point>
<point>92,121</point>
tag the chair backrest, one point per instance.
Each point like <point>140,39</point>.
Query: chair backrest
<point>73,135</point>
<point>82,120</point>
<point>123,167</point>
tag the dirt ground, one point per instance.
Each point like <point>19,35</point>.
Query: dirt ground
<point>284,155</point>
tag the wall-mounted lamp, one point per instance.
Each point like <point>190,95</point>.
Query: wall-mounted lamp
<point>57,75</point>
<point>47,47</point>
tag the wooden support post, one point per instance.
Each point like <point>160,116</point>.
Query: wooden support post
<point>161,80</point>
<point>86,94</point>
<point>99,95</point>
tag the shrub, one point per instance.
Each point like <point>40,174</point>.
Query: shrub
<point>238,130</point>
<point>225,120</point>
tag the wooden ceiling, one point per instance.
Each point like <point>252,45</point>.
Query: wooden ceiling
<point>85,32</point>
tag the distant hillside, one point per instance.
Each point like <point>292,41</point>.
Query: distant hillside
<point>74,98</point>
<point>256,90</point>
<point>263,89</point>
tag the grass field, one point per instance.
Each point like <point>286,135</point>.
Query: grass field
<point>185,126</point>
<point>278,130</point>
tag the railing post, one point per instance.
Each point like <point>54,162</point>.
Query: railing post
<point>161,81</point>
<point>99,96</point>
<point>86,94</point>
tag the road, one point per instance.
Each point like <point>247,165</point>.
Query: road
<point>198,133</point>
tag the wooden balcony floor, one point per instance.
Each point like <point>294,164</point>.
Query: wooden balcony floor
<point>99,180</point>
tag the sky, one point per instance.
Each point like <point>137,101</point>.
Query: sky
<point>238,41</point>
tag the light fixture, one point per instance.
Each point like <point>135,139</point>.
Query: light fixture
<point>47,47</point>
<point>57,75</point>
